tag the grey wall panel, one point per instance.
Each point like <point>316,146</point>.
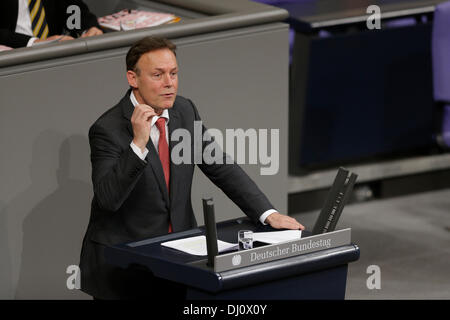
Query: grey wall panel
<point>236,78</point>
<point>46,188</point>
<point>236,86</point>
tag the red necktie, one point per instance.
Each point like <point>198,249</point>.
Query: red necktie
<point>163,150</point>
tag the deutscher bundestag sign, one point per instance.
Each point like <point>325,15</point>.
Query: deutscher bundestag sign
<point>282,250</point>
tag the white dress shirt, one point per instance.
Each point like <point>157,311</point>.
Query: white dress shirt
<point>154,135</point>
<point>23,24</point>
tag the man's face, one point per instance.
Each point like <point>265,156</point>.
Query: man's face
<point>156,79</point>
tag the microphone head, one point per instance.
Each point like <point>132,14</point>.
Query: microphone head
<point>208,199</point>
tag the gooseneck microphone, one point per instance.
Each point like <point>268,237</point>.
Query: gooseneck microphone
<point>210,229</point>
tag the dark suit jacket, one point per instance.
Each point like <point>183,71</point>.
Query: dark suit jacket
<point>55,14</point>
<point>131,201</point>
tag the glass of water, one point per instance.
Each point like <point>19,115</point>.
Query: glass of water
<point>245,239</point>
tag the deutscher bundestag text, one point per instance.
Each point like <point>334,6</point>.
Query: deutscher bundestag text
<point>292,249</point>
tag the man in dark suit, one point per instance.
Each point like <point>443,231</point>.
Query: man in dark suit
<point>138,192</point>
<point>19,18</point>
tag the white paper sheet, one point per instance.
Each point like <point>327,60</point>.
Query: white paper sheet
<point>197,245</point>
<point>277,236</point>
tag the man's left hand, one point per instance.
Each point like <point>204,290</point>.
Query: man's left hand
<point>280,221</point>
<point>94,31</point>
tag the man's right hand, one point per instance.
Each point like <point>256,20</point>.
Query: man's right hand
<point>141,120</point>
<point>280,221</point>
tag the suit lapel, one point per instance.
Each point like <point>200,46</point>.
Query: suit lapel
<point>127,111</point>
<point>13,8</point>
<point>152,156</point>
<point>175,174</point>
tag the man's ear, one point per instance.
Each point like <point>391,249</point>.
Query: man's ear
<point>132,79</point>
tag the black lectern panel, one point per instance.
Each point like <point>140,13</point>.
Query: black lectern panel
<point>325,271</point>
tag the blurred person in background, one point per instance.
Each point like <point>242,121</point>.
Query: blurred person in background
<point>24,23</point>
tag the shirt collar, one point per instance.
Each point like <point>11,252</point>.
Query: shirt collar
<point>165,113</point>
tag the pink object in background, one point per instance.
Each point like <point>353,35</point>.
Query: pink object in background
<point>4,48</point>
<point>134,19</point>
